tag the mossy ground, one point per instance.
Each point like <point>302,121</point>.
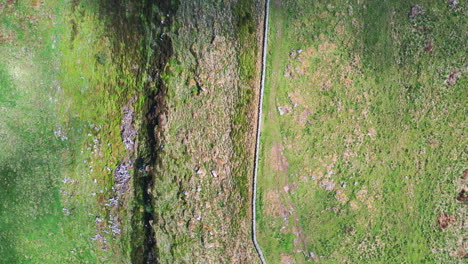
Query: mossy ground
<point>66,71</point>
<point>63,86</point>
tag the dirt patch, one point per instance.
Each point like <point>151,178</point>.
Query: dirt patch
<point>295,98</point>
<point>278,160</point>
<point>287,259</point>
<point>304,116</point>
<point>326,48</point>
<point>275,206</point>
<point>445,220</point>
<point>7,36</point>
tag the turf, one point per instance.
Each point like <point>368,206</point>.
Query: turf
<point>370,149</point>
<point>62,88</point>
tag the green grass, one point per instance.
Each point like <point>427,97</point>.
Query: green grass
<point>56,74</point>
<point>381,120</point>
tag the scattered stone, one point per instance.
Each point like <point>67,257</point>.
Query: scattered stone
<point>60,133</point>
<point>289,72</point>
<point>201,172</point>
<point>112,202</point>
<point>115,225</point>
<point>329,185</point>
<point>66,211</point>
<point>284,110</point>
<point>214,174</point>
<point>148,168</point>
<point>209,245</point>
<point>128,131</point>
<point>197,216</point>
<point>293,54</point>
<point>100,238</point>
<point>429,46</point>
<point>453,3</point>
<point>415,11</point>
<point>452,77</point>
<point>372,132</point>
<point>68,180</point>
<point>122,176</point>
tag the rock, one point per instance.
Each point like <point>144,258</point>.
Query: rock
<point>293,54</point>
<point>288,72</point>
<point>162,120</point>
<point>453,3</point>
<point>122,176</point>
<point>452,77</point>
<point>214,174</point>
<point>329,185</point>
<point>284,110</point>
<point>148,168</point>
<point>128,131</point>
<point>415,11</point>
<point>201,172</point>
<point>429,46</point>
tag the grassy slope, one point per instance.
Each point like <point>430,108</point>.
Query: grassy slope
<point>61,72</point>
<point>376,118</point>
<point>210,80</point>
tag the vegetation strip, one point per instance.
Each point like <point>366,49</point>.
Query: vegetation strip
<point>259,123</point>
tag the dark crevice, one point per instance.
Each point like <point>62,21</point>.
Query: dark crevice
<point>152,129</point>
<point>140,28</point>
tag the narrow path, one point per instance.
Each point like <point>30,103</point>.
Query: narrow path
<point>259,125</point>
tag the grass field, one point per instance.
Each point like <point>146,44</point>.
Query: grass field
<point>69,72</point>
<point>363,139</point>
<point>62,89</point>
